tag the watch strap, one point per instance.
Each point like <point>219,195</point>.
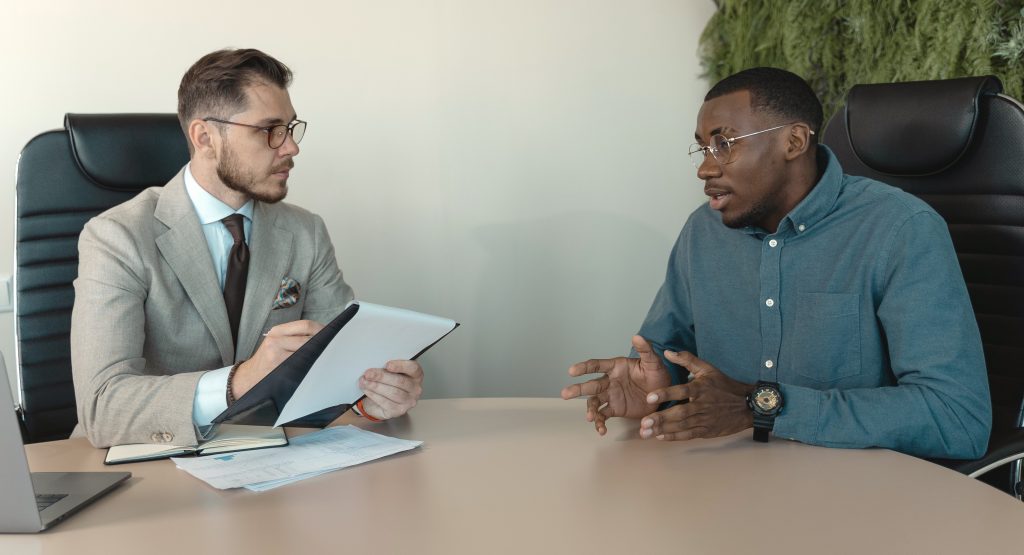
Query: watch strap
<point>764,423</point>
<point>762,427</point>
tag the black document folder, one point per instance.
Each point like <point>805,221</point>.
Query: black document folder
<point>262,404</point>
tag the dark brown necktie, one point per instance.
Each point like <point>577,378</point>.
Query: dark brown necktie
<point>238,272</point>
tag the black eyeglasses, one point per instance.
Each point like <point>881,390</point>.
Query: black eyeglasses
<point>275,133</point>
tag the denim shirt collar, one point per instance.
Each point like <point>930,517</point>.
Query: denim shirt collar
<point>818,203</point>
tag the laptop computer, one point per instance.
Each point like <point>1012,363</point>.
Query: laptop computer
<point>35,501</point>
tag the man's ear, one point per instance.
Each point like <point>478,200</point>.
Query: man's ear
<point>201,136</point>
<point>798,141</point>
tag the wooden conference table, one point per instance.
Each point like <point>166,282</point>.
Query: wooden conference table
<point>531,476</point>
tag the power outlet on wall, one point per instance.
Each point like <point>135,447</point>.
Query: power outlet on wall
<point>6,299</point>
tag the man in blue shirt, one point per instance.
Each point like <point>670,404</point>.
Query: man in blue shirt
<point>805,303</point>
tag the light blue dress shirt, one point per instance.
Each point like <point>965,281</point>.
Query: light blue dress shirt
<point>210,399</point>
<point>856,305</point>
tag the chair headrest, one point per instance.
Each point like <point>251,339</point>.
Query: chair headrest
<point>127,152</point>
<point>915,128</point>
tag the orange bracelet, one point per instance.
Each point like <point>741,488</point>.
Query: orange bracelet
<point>362,411</point>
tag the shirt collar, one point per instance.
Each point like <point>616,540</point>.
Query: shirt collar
<point>208,207</point>
<point>818,203</point>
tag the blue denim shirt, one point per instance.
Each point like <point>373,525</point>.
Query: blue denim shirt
<point>856,305</point>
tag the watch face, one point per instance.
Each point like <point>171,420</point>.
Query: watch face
<point>767,399</point>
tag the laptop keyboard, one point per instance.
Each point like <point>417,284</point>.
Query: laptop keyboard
<point>44,500</point>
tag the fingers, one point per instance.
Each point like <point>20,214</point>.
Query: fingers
<point>678,419</point>
<point>592,387</point>
<point>382,407</point>
<point>286,343</point>
<point>400,388</point>
<point>687,360</point>
<point>594,405</point>
<point>410,368</point>
<point>392,391</point>
<point>646,352</point>
<point>298,327</point>
<point>596,414</point>
<point>595,366</point>
<point>682,436</point>
<point>674,393</point>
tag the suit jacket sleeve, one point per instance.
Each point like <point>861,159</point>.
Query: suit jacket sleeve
<point>119,399</point>
<point>326,292</point>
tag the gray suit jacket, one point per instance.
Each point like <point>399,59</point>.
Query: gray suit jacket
<point>149,313</point>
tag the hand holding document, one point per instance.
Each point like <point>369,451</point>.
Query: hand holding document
<point>320,380</point>
<point>306,456</point>
<point>375,335</point>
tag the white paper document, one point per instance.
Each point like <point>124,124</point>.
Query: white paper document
<point>307,456</point>
<point>375,335</point>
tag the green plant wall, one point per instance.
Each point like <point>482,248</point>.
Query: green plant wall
<point>836,44</point>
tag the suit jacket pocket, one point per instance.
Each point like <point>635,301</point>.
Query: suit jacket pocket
<point>827,336</point>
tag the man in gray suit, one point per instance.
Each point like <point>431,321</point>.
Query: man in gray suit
<point>189,294</point>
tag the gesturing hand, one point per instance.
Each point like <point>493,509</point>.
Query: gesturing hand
<point>717,407</point>
<point>623,389</point>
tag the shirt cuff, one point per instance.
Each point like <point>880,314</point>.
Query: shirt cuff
<point>800,412</point>
<point>211,396</point>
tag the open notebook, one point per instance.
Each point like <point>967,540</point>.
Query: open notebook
<point>227,438</point>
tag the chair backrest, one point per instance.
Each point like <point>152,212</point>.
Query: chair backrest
<point>64,178</point>
<point>957,144</point>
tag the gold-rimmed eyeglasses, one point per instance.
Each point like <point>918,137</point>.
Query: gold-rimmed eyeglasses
<point>720,147</point>
<point>275,133</point>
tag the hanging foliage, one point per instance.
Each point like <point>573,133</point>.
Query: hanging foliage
<point>836,44</point>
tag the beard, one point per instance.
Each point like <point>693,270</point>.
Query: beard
<point>751,217</point>
<point>243,180</point>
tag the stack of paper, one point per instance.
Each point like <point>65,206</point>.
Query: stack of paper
<point>307,456</point>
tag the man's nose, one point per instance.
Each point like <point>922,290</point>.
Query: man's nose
<point>289,147</point>
<point>709,168</point>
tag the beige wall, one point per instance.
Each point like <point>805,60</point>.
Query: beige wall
<point>518,165</point>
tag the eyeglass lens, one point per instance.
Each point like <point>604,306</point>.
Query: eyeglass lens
<point>279,132</point>
<point>720,148</point>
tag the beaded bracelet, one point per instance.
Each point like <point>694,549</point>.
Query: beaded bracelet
<point>228,395</point>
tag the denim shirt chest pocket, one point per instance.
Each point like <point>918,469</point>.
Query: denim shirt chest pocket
<point>827,341</point>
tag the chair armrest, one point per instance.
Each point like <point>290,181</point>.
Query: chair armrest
<point>1002,449</point>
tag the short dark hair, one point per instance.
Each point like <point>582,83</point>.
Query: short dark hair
<point>215,84</point>
<point>776,91</point>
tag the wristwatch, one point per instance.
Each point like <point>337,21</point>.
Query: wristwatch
<point>766,402</point>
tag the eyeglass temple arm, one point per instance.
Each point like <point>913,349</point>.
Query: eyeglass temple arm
<point>734,139</point>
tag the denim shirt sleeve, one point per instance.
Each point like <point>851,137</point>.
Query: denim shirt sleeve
<point>669,322</point>
<point>940,404</point>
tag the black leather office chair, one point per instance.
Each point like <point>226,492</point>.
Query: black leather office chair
<point>958,145</point>
<point>65,177</point>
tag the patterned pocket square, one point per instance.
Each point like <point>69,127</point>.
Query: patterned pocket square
<point>288,294</point>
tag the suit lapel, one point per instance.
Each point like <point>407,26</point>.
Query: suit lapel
<point>184,247</point>
<point>270,251</point>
